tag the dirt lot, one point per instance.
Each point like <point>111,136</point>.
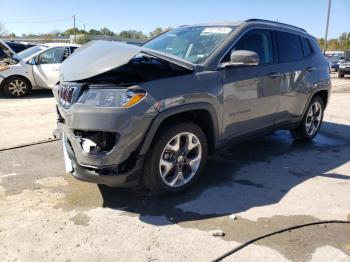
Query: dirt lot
<point>247,190</point>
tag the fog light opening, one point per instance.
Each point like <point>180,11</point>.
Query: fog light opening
<point>93,142</point>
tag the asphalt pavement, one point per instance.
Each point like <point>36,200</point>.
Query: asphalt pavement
<point>247,190</point>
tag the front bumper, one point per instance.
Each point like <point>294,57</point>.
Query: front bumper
<point>120,164</point>
<point>345,70</point>
<point>107,175</point>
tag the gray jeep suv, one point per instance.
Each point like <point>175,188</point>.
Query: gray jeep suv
<point>152,114</point>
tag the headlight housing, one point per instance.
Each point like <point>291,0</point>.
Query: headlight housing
<point>120,98</point>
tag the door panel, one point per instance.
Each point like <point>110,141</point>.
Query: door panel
<point>298,71</point>
<point>46,70</point>
<point>46,76</point>
<point>251,93</point>
<point>250,99</point>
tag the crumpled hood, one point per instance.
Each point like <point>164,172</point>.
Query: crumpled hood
<point>7,50</point>
<point>99,56</point>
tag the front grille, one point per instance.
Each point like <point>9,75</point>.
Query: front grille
<point>68,94</point>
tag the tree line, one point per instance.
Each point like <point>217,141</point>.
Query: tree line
<point>104,31</point>
<point>336,44</point>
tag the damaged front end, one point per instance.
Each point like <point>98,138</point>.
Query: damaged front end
<point>104,117</point>
<point>7,56</point>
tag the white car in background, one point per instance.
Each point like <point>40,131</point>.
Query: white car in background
<point>34,68</point>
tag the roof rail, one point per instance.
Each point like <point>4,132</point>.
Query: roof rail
<point>274,22</point>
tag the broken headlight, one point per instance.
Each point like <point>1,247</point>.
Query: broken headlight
<point>112,97</point>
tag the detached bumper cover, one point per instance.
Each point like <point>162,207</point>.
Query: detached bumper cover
<point>106,176</point>
<point>114,161</point>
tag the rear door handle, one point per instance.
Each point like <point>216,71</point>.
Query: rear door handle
<point>310,69</point>
<point>274,75</point>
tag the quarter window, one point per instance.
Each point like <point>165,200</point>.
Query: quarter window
<point>289,47</point>
<point>306,47</point>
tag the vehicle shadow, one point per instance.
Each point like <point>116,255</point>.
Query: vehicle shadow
<point>251,174</point>
<point>37,93</point>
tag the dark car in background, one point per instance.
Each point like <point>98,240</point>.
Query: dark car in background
<point>16,47</point>
<point>335,60</point>
<point>344,66</point>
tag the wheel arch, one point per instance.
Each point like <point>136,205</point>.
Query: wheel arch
<point>16,75</point>
<point>324,94</point>
<point>196,112</point>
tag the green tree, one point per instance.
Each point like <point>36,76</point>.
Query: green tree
<point>106,31</point>
<point>321,42</point>
<point>157,31</point>
<point>333,44</point>
<point>70,31</point>
<point>133,34</point>
<point>344,41</point>
<point>94,32</point>
<point>83,39</point>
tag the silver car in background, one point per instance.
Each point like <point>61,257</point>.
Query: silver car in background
<point>33,68</point>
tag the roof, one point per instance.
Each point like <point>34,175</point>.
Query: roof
<point>253,20</point>
<point>263,21</point>
<point>218,23</point>
<point>60,44</point>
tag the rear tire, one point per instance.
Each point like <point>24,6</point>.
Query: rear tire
<point>311,122</point>
<point>176,158</point>
<point>16,86</point>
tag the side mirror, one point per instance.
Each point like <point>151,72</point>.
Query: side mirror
<point>242,58</point>
<point>32,61</point>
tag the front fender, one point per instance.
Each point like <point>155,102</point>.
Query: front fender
<point>161,117</point>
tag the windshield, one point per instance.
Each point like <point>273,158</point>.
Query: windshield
<point>334,58</point>
<point>193,44</point>
<point>31,51</point>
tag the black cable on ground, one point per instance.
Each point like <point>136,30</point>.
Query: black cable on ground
<point>247,243</point>
<point>30,144</point>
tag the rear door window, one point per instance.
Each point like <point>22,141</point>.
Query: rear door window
<point>289,47</point>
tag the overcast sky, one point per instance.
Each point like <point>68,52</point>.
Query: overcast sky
<point>35,16</point>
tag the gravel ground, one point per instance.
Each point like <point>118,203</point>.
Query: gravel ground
<point>247,190</point>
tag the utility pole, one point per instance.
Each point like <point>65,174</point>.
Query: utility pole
<point>327,25</point>
<point>75,33</point>
<point>84,27</point>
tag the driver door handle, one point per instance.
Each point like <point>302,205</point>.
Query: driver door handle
<point>310,69</point>
<point>54,69</point>
<point>274,75</point>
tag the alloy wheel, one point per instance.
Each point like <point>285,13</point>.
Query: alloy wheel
<point>180,159</point>
<point>17,87</point>
<point>313,118</point>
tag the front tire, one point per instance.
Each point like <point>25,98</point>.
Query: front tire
<point>16,86</point>
<point>176,158</point>
<point>311,122</point>
<point>340,75</point>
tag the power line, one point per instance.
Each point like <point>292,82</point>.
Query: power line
<point>90,25</point>
<point>37,22</point>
